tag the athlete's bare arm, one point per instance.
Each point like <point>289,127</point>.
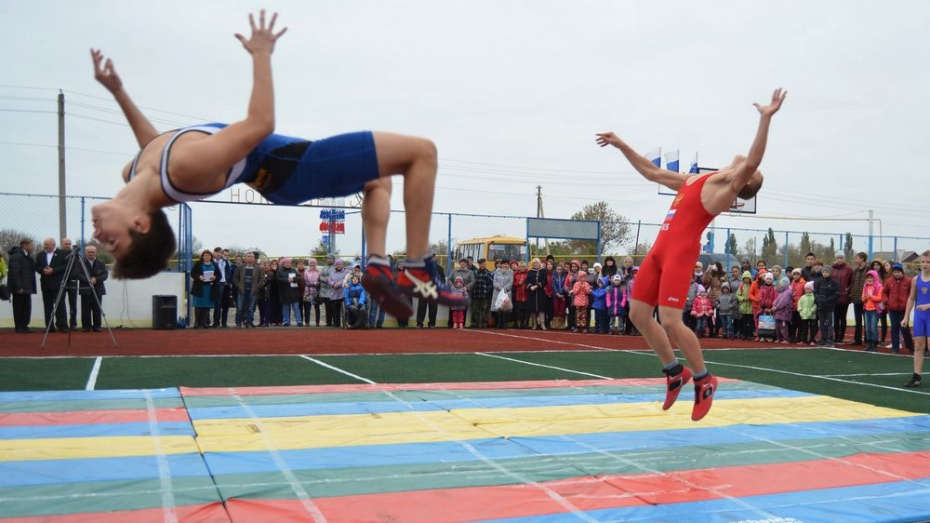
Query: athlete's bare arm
<point>670,179</point>
<point>105,73</point>
<point>757,150</point>
<point>911,299</point>
<point>722,188</point>
<point>214,155</point>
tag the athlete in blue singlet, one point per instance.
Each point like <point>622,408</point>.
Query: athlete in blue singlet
<point>919,302</point>
<point>197,162</point>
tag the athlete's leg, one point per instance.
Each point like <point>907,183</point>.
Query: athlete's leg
<point>376,210</point>
<point>682,337</point>
<point>415,159</point>
<point>920,345</point>
<point>656,337</point>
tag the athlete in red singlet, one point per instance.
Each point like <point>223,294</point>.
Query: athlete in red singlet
<point>665,274</point>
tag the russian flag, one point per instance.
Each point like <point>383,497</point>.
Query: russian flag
<point>655,157</point>
<point>694,167</point>
<point>671,161</point>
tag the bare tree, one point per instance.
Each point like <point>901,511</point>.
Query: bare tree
<point>615,229</point>
<point>11,238</point>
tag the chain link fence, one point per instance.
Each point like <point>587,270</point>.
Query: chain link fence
<point>295,231</point>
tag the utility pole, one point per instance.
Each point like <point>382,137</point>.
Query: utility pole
<point>540,214</point>
<point>62,207</point>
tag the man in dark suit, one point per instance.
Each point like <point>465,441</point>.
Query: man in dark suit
<point>22,283</point>
<point>223,285</point>
<point>51,264</point>
<point>90,309</point>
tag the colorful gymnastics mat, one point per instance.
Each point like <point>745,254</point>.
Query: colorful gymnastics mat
<point>541,451</point>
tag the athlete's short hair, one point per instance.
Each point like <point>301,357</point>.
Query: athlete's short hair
<point>752,187</point>
<point>148,253</point>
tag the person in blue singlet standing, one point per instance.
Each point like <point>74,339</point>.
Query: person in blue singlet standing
<point>919,302</point>
<point>196,162</point>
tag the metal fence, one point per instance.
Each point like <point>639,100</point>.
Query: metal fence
<point>295,231</point>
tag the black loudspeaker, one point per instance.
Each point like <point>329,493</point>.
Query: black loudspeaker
<point>164,312</point>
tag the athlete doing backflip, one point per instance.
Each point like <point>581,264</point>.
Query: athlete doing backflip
<point>665,274</point>
<point>196,162</point>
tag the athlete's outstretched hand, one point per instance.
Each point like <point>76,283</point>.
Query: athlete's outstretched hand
<point>106,75</point>
<point>263,38</point>
<point>605,139</point>
<point>777,98</point>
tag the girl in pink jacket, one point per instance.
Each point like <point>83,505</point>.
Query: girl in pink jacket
<point>701,309</point>
<point>580,291</point>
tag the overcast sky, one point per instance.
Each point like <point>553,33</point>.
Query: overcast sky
<point>512,93</point>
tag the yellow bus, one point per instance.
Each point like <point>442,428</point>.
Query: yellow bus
<point>492,248</point>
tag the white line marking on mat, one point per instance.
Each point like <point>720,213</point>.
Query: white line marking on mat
<point>779,371</point>
<point>164,471</point>
<point>867,374</point>
<point>94,372</point>
<point>541,365</point>
<point>337,369</point>
<point>286,471</point>
<point>547,340</point>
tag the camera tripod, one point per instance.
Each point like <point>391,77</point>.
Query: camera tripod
<point>76,256</point>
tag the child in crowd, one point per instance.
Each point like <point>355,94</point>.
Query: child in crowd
<point>599,304</point>
<point>617,298</point>
<point>458,311</point>
<point>767,295</point>
<point>807,309</point>
<point>726,308</point>
<point>872,306</point>
<point>826,293</point>
<point>745,306</point>
<point>784,305</point>
<point>701,309</point>
<point>579,296</point>
<point>558,297</point>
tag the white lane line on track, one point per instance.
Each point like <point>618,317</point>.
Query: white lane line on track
<point>337,369</point>
<point>563,369</point>
<point>94,372</point>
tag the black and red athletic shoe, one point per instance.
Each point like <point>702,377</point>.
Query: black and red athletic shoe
<point>675,384</point>
<point>378,282</point>
<point>704,390</point>
<point>424,283</point>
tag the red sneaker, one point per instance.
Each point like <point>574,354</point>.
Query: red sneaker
<point>378,282</point>
<point>424,283</point>
<point>675,384</point>
<point>704,390</point>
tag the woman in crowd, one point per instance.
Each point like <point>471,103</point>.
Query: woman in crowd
<point>558,297</point>
<point>610,268</point>
<point>337,279</point>
<point>311,296</point>
<point>520,309</point>
<point>286,279</point>
<point>537,303</point>
<point>203,290</point>
<point>503,282</point>
<point>574,274</point>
